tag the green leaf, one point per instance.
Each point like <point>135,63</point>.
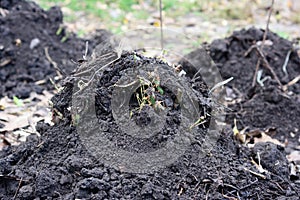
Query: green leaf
<point>152,100</point>
<point>18,101</point>
<point>160,90</point>
<point>59,30</point>
<point>157,82</point>
<point>136,57</point>
<point>64,39</point>
<point>76,119</point>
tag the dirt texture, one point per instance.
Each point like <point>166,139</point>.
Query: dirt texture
<point>25,31</point>
<point>58,165</point>
<point>261,107</point>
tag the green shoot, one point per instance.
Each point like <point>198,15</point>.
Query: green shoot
<point>147,93</point>
<point>75,119</point>
<point>59,30</point>
<point>200,121</point>
<point>160,90</point>
<point>18,101</point>
<point>218,85</point>
<point>64,38</point>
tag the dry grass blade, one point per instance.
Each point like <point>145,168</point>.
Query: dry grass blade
<point>86,50</point>
<point>286,62</point>
<point>19,185</point>
<point>220,84</point>
<point>255,173</point>
<point>117,52</point>
<point>82,71</point>
<point>292,82</point>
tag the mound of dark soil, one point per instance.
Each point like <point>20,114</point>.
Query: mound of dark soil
<point>25,31</point>
<point>259,107</point>
<point>58,165</point>
<point>267,106</point>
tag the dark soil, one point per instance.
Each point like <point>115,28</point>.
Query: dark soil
<point>261,107</point>
<point>24,62</point>
<point>58,166</point>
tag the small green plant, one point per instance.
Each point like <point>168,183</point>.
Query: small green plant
<point>147,93</point>
<point>75,119</point>
<point>59,30</point>
<point>18,101</point>
<point>63,39</point>
<point>201,120</point>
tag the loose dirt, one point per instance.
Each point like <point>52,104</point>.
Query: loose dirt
<point>260,107</point>
<point>57,165</point>
<point>26,31</point>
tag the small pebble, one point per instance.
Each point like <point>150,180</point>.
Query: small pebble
<point>34,43</point>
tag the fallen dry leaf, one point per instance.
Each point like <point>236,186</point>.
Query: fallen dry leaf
<point>15,117</point>
<point>252,137</point>
<point>263,137</point>
<point>13,122</point>
<point>294,156</point>
<point>9,139</point>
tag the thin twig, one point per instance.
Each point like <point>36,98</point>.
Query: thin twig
<point>58,70</point>
<point>267,65</point>
<point>282,190</point>
<point>118,50</point>
<point>261,48</point>
<point>228,197</point>
<point>12,178</point>
<point>197,190</point>
<point>249,50</point>
<point>292,82</point>
<point>86,50</point>
<point>255,173</point>
<point>94,74</point>
<point>16,193</point>
<point>198,72</point>
<point>267,25</point>
<point>248,185</point>
<point>54,84</point>
<point>81,67</point>
<point>126,85</point>
<point>231,186</point>
<point>79,73</point>
<point>161,26</point>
